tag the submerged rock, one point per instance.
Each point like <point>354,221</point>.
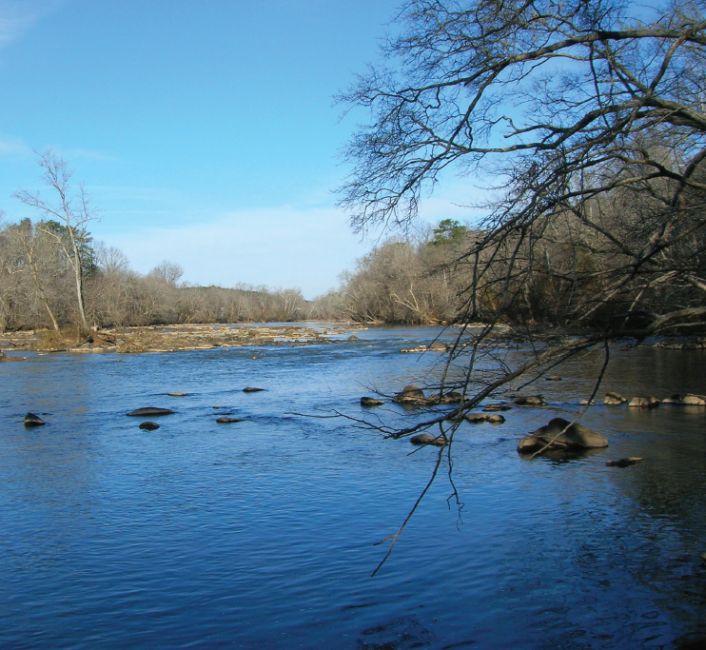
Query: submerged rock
<point>149,426</point>
<point>370,401</point>
<point>150,411</point>
<point>560,434</point>
<point>32,420</point>
<point>624,462</point>
<point>252,389</point>
<point>225,419</point>
<point>428,439</point>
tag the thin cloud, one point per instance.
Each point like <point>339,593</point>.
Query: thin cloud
<point>11,147</point>
<point>18,17</point>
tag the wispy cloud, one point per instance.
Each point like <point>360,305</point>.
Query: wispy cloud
<point>11,146</point>
<point>278,247</point>
<point>18,16</point>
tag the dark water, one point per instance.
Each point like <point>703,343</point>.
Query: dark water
<point>263,534</point>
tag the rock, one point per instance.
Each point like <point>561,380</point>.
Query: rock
<point>530,400</point>
<point>552,378</point>
<point>370,401</point>
<point>428,439</point>
<point>436,346</point>
<point>685,400</point>
<point>224,419</point>
<point>587,402</point>
<point>614,399</point>
<point>32,420</point>
<point>624,462</point>
<point>410,394</point>
<point>252,389</point>
<point>643,402</point>
<point>563,435</point>
<point>352,338</point>
<point>491,408</point>
<point>177,393</point>
<point>452,397</point>
<point>477,418</point>
<point>149,426</point>
<point>150,411</point>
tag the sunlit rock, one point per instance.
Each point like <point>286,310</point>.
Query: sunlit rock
<point>428,439</point>
<point>643,402</point>
<point>32,420</point>
<point>150,411</point>
<point>560,434</point>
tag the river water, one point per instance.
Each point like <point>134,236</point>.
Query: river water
<point>264,533</point>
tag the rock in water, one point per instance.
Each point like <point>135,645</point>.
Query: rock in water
<point>149,426</point>
<point>624,462</point>
<point>644,402</point>
<point>224,419</point>
<point>563,435</point>
<point>410,395</point>
<point>613,399</point>
<point>150,411</point>
<point>370,401</point>
<point>177,393</point>
<point>32,420</point>
<point>252,389</point>
<point>530,400</point>
<point>428,439</point>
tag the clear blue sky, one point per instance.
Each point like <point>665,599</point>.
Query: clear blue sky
<point>204,131</point>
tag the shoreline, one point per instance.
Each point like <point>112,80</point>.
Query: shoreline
<point>172,338</point>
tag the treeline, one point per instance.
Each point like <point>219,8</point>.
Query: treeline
<point>38,288</point>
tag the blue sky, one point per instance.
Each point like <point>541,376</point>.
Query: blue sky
<point>205,132</point>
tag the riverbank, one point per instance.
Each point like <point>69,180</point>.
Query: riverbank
<point>171,338</point>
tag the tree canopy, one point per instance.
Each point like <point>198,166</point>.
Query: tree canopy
<point>589,115</point>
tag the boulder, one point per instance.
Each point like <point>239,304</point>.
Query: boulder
<point>530,400</point>
<point>149,411</point>
<point>560,434</point>
<point>614,399</point>
<point>370,401</point>
<point>32,420</point>
<point>252,389</point>
<point>149,426</point>
<point>643,402</point>
<point>428,439</point>
<point>352,338</point>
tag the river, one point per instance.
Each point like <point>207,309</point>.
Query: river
<point>263,533</point>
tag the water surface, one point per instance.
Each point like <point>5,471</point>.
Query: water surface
<point>263,533</point>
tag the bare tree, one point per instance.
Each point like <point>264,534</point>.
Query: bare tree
<point>590,117</point>
<point>72,211</point>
